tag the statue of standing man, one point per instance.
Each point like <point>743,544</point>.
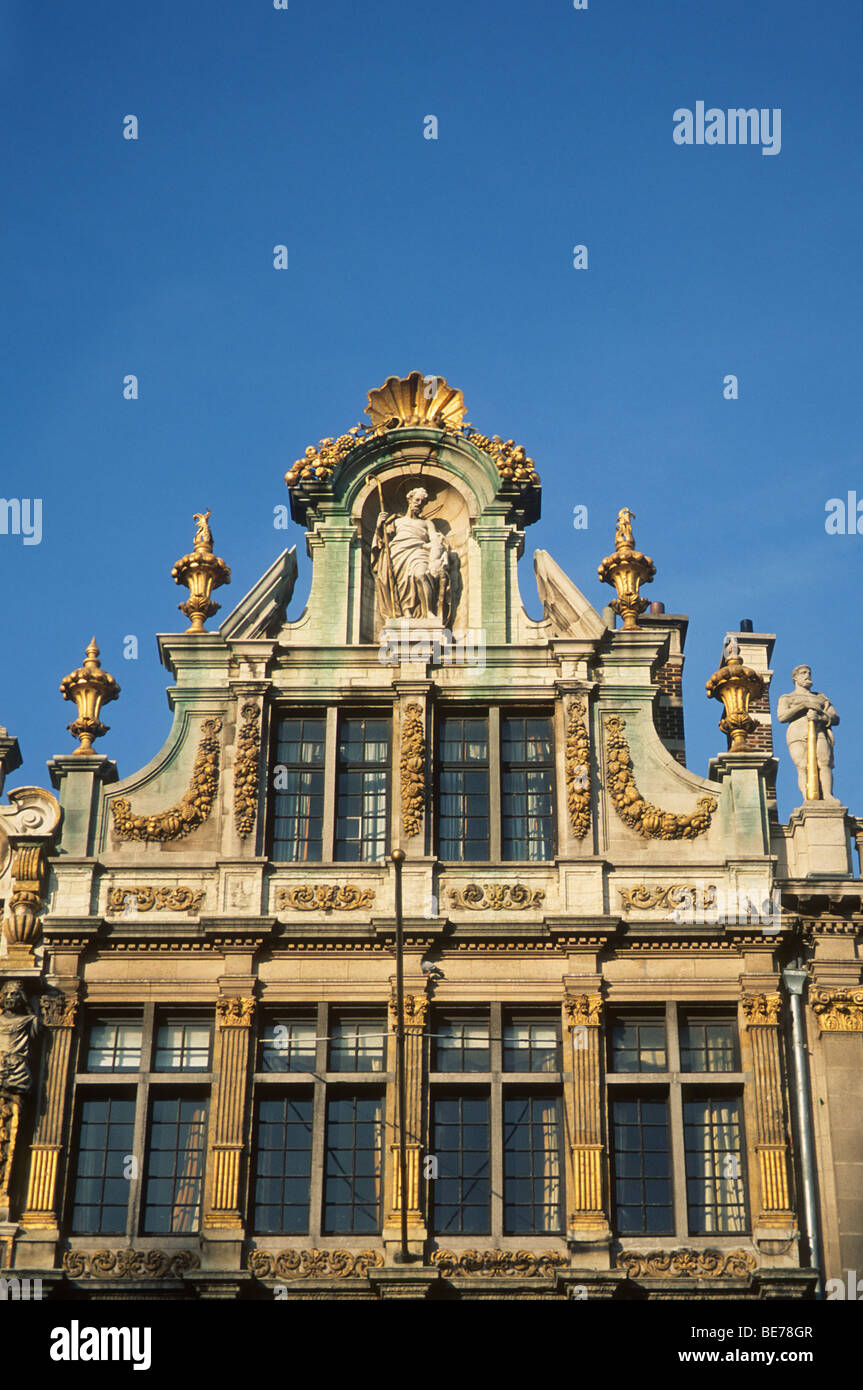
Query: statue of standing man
<point>411,564</point>
<point>800,709</point>
<point>17,1028</point>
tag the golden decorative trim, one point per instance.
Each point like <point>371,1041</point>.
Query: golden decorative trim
<point>583,1010</point>
<point>235,1012</point>
<point>413,761</point>
<point>129,1264</point>
<point>91,688</point>
<point>201,573</point>
<point>735,685</point>
<point>497,896</point>
<point>324,897</point>
<point>28,869</point>
<point>627,569</point>
<point>414,1013</point>
<point>838,1010</point>
<point>692,1264</point>
<point>191,810</point>
<point>246,770</point>
<point>631,807</point>
<point>578,770</point>
<point>513,1264</point>
<point>314,1264</point>
<point>408,400</point>
<point>174,898</point>
<point>57,1011</point>
<point>674,895</point>
<point>762,1010</point>
<point>512,462</point>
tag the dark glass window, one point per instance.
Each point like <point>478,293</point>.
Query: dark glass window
<point>183,1045</point>
<point>638,1044</point>
<point>463,809</point>
<point>175,1165</point>
<point>114,1045</point>
<point>288,1044</point>
<point>357,1044</point>
<point>298,790</point>
<point>363,778</point>
<point>531,1164</point>
<point>461,1044</point>
<point>527,762</point>
<point>642,1167</point>
<point>708,1043</point>
<point>714,1165</point>
<point>352,1178</point>
<point>460,1142</point>
<point>531,1044</point>
<point>101,1188</point>
<point>283,1164</point>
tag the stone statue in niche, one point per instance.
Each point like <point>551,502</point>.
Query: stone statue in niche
<point>412,564</point>
<point>802,707</point>
<point>17,1028</point>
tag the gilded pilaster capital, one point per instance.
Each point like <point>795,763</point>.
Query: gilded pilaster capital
<point>235,1012</point>
<point>583,1010</point>
<point>58,1011</point>
<point>762,1010</point>
<point>838,1010</point>
<point>414,1013</point>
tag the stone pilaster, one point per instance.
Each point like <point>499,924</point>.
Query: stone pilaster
<point>41,1216</point>
<point>223,1211</point>
<point>588,1217</point>
<point>415,1014</point>
<point>762,1014</point>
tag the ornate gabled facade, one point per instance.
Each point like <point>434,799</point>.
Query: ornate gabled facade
<point>606,1090</point>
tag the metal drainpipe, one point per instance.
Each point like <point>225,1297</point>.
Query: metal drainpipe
<point>795,982</point>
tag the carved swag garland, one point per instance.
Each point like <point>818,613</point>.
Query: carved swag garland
<point>633,810</point>
<point>191,810</point>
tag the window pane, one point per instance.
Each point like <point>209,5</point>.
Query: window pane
<point>532,1165</point>
<point>708,1043</point>
<point>461,1044</point>
<point>463,801</point>
<point>638,1044</point>
<point>531,1044</point>
<point>175,1165</point>
<point>712,1137</point>
<point>352,1175</point>
<point>100,1194</point>
<point>642,1167</point>
<point>288,1044</point>
<point>283,1164</point>
<point>183,1045</point>
<point>357,1044</point>
<point>298,790</point>
<point>362,796</point>
<point>114,1045</point>
<point>459,1196</point>
<point>527,766</point>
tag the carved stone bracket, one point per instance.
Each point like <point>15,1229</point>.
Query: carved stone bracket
<point>191,810</point>
<point>695,1264</point>
<point>838,1010</point>
<point>577,762</point>
<point>633,810</point>
<point>174,898</point>
<point>324,897</point>
<point>413,765</point>
<point>246,769</point>
<point>497,896</point>
<point>314,1264</point>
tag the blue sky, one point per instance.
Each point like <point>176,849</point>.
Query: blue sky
<point>454,256</point>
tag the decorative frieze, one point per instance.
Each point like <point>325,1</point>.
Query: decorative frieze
<point>577,763</point>
<point>413,762</point>
<point>314,1264</point>
<point>630,805</point>
<point>693,1264</point>
<point>246,768</point>
<point>511,1264</point>
<point>838,1010</point>
<point>324,897</point>
<point>666,896</point>
<point>173,898</point>
<point>129,1264</point>
<point>191,810</point>
<point>497,896</point>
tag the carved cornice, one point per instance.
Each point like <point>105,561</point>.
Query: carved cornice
<point>191,810</point>
<point>668,897</point>
<point>129,1264</point>
<point>414,1013</point>
<point>633,810</point>
<point>497,896</point>
<point>762,1010</point>
<point>512,1264</point>
<point>246,770</point>
<point>577,762</point>
<point>173,898</point>
<point>838,1010</point>
<point>413,764</point>
<point>583,1010</point>
<point>324,897</point>
<point>236,1012</point>
<point>314,1264</point>
<point>693,1264</point>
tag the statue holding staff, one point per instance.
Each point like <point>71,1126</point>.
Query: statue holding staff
<point>810,717</point>
<point>411,564</point>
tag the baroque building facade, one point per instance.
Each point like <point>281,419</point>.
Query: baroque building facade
<point>631,1025</point>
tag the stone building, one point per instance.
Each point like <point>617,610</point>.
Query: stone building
<point>604,1094</point>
